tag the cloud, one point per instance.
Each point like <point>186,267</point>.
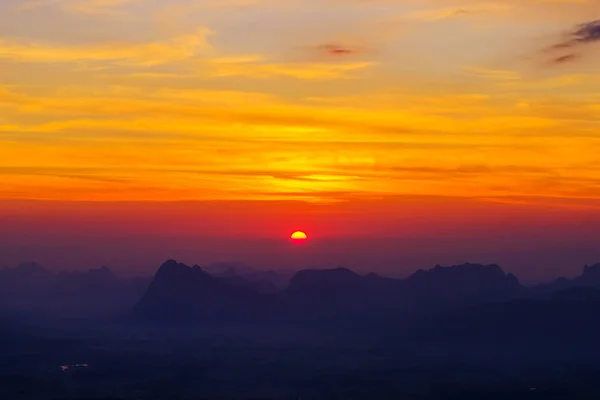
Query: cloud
<point>78,6</point>
<point>566,58</point>
<point>588,32</point>
<point>141,54</point>
<point>263,116</point>
<point>437,14</point>
<point>337,49</point>
<point>581,36</point>
<point>257,67</point>
<point>98,6</point>
<point>91,174</point>
<point>497,75</point>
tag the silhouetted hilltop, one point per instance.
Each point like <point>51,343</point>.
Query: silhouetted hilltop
<point>466,282</point>
<point>590,277</point>
<point>178,291</point>
<point>30,272</point>
<point>337,333</point>
<point>30,269</point>
<point>182,292</point>
<point>234,292</point>
<point>341,292</point>
<point>103,274</point>
<point>172,271</point>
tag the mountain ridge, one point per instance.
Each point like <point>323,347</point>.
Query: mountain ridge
<point>337,293</point>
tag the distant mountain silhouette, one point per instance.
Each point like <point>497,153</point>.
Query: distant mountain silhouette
<point>264,281</point>
<point>590,277</point>
<point>179,291</point>
<point>342,292</point>
<point>21,287</point>
<point>31,272</point>
<point>326,282</point>
<point>330,334</point>
<point>464,283</point>
<point>182,292</point>
<point>34,289</point>
<point>234,292</point>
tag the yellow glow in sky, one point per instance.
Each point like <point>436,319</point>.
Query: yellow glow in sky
<point>315,100</point>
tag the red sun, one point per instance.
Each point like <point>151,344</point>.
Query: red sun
<point>298,237</point>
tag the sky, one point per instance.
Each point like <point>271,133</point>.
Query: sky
<point>396,133</point>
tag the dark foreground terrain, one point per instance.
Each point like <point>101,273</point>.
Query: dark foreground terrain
<point>461,332</point>
<point>141,361</point>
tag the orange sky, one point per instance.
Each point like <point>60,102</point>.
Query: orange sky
<point>395,237</point>
<point>343,103</point>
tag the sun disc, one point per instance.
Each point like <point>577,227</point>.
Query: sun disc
<point>299,235</point>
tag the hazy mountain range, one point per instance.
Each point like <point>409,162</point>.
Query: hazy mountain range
<point>181,292</point>
<point>32,289</point>
<point>226,331</point>
<point>234,292</point>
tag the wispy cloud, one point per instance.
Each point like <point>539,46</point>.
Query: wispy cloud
<point>570,48</point>
<point>498,75</point>
<point>258,67</point>
<point>142,54</point>
<point>338,49</point>
<point>588,32</point>
<point>465,10</point>
<point>566,58</point>
<point>78,6</point>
